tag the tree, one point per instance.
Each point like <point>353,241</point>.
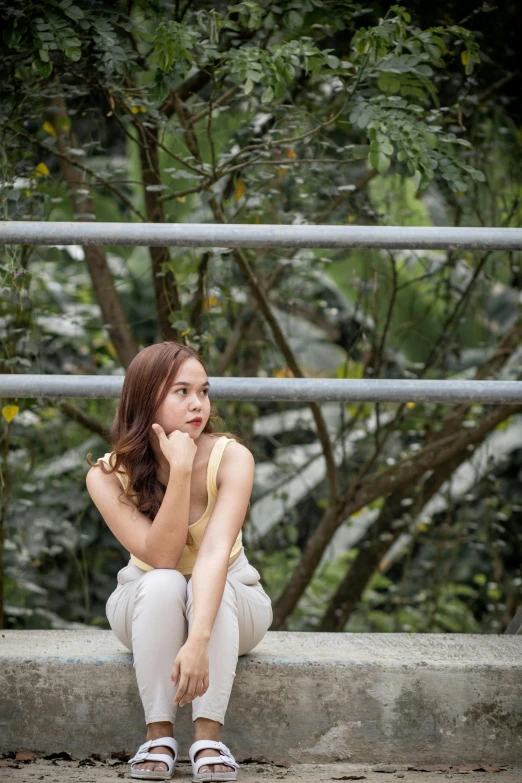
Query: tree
<point>251,112</point>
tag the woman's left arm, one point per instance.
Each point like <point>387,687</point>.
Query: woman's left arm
<point>235,480</point>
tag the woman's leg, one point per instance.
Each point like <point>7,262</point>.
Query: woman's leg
<point>242,620</point>
<point>148,616</point>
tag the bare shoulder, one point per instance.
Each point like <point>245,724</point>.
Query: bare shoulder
<point>97,476</point>
<point>95,470</point>
<point>236,452</point>
<point>237,465</point>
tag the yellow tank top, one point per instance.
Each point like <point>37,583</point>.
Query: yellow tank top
<point>197,529</point>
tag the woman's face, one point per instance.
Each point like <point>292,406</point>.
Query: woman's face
<point>186,399</point>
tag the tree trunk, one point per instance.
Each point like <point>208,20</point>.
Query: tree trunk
<point>113,314</point>
<point>163,277</point>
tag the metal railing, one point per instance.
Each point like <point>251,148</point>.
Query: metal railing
<point>278,236</point>
<point>259,235</point>
<point>280,389</point>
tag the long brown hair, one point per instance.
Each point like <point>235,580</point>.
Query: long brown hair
<point>148,377</point>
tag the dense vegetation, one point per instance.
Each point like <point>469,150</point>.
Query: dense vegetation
<point>364,517</point>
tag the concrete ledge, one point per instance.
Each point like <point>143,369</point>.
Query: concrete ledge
<point>303,697</point>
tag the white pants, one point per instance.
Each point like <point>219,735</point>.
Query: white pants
<point>151,613</point>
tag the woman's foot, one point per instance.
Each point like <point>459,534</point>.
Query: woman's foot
<point>159,766</point>
<point>155,730</point>
<point>211,767</point>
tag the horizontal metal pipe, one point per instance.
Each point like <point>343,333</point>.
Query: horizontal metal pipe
<point>29,232</point>
<point>279,389</point>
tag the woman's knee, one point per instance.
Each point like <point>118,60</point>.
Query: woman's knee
<point>163,584</point>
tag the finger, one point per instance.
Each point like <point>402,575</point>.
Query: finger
<point>198,688</point>
<point>181,690</point>
<point>198,691</point>
<point>186,691</point>
<point>191,690</point>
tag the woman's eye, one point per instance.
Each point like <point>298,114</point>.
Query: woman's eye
<point>183,389</point>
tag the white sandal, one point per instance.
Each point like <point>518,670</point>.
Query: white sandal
<point>225,757</point>
<point>144,755</point>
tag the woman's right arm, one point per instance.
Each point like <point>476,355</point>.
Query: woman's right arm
<point>159,543</point>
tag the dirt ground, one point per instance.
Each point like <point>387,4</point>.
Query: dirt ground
<point>26,768</point>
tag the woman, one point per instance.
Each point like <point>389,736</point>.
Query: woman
<point>188,603</point>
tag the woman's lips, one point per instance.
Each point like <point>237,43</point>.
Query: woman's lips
<point>196,422</point>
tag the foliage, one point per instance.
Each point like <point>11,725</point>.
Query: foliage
<point>319,111</point>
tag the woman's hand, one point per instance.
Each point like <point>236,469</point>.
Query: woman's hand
<point>178,447</point>
<point>190,671</point>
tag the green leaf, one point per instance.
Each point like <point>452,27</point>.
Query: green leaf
<point>254,75</point>
<point>269,21</point>
<point>11,37</point>
<point>180,325</point>
<point>41,68</point>
<point>478,176</point>
<point>267,95</point>
<point>364,117</point>
<point>249,86</point>
<point>294,19</point>
<point>388,84</point>
<point>417,180</point>
<point>383,163</point>
<point>332,61</point>
<point>160,91</point>
<point>73,12</point>
<point>379,161</point>
<point>74,54</point>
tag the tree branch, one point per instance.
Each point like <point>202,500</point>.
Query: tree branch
<point>371,488</point>
<point>264,307</point>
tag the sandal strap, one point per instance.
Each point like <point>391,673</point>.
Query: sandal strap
<point>212,760</point>
<point>225,756</point>
<point>143,751</point>
<point>168,760</point>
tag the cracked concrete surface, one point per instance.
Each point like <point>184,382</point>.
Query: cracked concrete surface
<point>92,770</point>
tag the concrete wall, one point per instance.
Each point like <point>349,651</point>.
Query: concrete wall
<point>304,697</point>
